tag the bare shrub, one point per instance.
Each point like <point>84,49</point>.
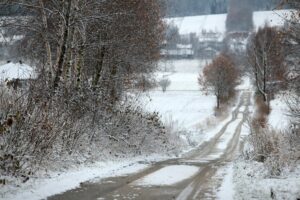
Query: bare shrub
<point>39,133</point>
<point>262,111</point>
<point>220,77</point>
<point>277,150</point>
<point>164,84</point>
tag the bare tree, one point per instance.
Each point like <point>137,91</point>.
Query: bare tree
<point>266,58</point>
<point>220,76</point>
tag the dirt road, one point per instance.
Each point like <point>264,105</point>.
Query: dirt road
<point>205,160</point>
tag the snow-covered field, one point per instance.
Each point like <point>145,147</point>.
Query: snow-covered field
<point>226,191</point>
<point>183,103</point>
<point>216,23</point>
<point>15,70</point>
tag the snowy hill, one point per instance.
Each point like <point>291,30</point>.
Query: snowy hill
<point>216,23</point>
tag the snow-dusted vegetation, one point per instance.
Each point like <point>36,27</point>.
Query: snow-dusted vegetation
<point>110,100</point>
<point>76,106</point>
<point>216,23</point>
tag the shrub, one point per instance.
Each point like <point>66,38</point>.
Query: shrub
<point>164,84</point>
<point>221,77</point>
<point>38,133</point>
<point>277,150</point>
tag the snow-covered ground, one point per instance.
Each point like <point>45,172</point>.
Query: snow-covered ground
<point>216,23</point>
<point>183,103</point>
<point>57,182</point>
<point>15,70</point>
<point>278,117</point>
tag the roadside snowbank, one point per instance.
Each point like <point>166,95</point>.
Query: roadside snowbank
<point>226,191</point>
<point>216,23</point>
<point>252,180</point>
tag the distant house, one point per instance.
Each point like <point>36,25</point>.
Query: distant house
<point>179,52</point>
<point>237,41</point>
<point>210,44</point>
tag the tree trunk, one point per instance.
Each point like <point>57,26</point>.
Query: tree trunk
<point>99,67</point>
<point>61,58</point>
<point>47,43</point>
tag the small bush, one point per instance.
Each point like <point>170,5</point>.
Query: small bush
<point>277,150</point>
<point>39,133</point>
<point>164,84</point>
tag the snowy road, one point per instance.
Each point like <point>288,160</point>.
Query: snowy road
<point>189,177</point>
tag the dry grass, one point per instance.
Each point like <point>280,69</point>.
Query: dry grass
<point>262,112</point>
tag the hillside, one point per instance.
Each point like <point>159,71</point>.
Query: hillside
<point>216,23</point>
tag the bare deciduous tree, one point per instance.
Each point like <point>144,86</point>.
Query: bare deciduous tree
<point>266,58</point>
<point>221,77</point>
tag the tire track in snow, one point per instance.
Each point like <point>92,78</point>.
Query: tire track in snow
<point>201,186</point>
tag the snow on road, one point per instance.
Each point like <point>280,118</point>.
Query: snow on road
<point>278,117</point>
<point>169,175</point>
<point>183,102</point>
<point>186,107</point>
<point>226,191</point>
<point>183,74</point>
